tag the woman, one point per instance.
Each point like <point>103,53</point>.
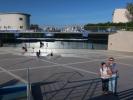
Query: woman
<point>105,74</point>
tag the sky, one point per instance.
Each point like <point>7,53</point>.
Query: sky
<point>64,12</point>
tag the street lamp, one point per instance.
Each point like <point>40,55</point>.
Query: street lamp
<point>28,85</point>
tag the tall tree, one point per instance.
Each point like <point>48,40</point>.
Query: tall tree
<point>130,9</point>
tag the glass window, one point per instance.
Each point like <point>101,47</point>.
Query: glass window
<point>9,26</point>
<point>21,27</point>
<point>20,18</point>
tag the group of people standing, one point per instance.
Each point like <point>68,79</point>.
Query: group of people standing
<point>109,75</point>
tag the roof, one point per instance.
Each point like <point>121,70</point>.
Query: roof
<point>2,13</point>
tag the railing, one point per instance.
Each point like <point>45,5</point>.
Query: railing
<point>108,28</point>
<point>88,28</point>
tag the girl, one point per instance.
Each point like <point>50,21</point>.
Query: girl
<point>105,74</point>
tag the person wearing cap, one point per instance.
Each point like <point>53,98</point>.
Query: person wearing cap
<point>113,80</point>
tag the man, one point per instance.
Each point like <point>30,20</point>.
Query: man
<point>113,80</point>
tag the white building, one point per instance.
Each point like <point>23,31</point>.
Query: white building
<point>74,28</point>
<point>121,16</point>
<point>14,21</point>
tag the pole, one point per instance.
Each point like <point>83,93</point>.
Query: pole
<point>28,85</point>
<point>46,47</point>
<point>126,27</point>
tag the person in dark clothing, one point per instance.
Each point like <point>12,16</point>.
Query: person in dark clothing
<point>38,53</point>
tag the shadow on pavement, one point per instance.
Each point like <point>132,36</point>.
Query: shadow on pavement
<point>126,95</point>
<point>65,86</point>
<point>9,83</point>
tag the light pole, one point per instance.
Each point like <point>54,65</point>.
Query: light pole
<point>28,85</point>
<point>46,47</point>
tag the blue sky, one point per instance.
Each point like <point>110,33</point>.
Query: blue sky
<point>61,12</point>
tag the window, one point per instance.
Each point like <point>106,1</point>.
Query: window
<point>5,27</point>
<point>21,27</point>
<point>20,18</point>
<point>9,27</point>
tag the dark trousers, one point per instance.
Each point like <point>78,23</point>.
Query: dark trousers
<point>105,83</point>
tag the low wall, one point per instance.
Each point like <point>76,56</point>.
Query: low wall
<point>121,41</point>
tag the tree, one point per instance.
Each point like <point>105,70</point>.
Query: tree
<point>130,9</point>
<point>35,27</point>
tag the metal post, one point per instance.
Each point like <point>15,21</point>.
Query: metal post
<point>46,47</point>
<point>126,27</point>
<point>28,85</point>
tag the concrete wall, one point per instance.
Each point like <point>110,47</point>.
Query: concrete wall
<point>121,41</point>
<point>14,21</point>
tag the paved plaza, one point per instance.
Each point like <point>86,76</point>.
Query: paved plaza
<point>71,74</point>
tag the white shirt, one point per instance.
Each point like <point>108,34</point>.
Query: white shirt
<point>104,73</point>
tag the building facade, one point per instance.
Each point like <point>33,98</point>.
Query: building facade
<point>121,16</point>
<point>14,21</point>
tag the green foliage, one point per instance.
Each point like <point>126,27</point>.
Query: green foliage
<point>105,26</point>
<point>118,26</point>
<point>130,8</point>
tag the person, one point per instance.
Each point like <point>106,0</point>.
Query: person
<point>38,54</point>
<point>25,49</point>
<point>41,44</point>
<point>33,49</point>
<point>51,54</point>
<point>113,80</point>
<point>105,74</point>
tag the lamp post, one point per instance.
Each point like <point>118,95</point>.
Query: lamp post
<point>28,85</point>
<point>46,47</point>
